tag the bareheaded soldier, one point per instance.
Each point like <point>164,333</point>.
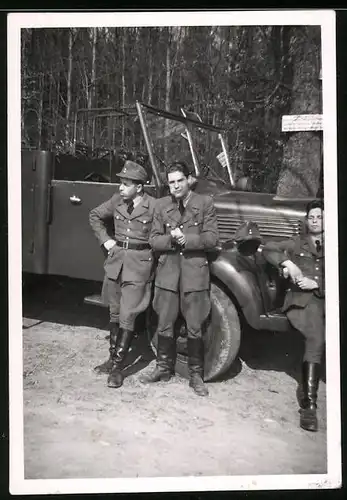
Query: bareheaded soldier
<point>129,264</point>
<point>302,260</point>
<point>184,229</point>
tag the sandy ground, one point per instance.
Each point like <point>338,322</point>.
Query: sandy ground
<point>74,426</point>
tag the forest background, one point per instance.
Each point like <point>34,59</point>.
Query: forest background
<point>243,78</point>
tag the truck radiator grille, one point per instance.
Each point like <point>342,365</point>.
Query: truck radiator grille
<point>276,227</point>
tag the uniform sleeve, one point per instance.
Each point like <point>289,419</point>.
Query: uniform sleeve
<point>208,238</point>
<point>97,216</point>
<point>276,252</point>
<point>158,240</point>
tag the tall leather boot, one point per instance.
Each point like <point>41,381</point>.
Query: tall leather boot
<point>310,382</point>
<point>107,365</point>
<point>115,378</point>
<point>166,357</point>
<point>196,366</point>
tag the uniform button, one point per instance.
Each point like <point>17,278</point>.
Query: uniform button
<point>316,277</point>
<point>127,237</point>
<point>301,255</point>
<point>145,222</point>
<point>181,253</point>
<point>117,216</point>
<point>128,229</point>
<point>317,268</point>
<point>195,223</point>
<point>168,224</point>
<point>129,221</point>
<point>150,258</point>
<point>181,226</point>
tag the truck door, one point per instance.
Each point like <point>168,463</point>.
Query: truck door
<point>36,185</point>
<point>73,248</point>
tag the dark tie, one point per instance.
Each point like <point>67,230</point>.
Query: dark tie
<point>130,207</point>
<point>181,207</point>
<point>318,246</point>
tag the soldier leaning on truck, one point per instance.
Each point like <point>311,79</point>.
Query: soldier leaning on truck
<point>129,265</point>
<point>184,228</point>
<point>303,259</point>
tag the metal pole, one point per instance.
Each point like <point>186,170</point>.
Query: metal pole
<point>227,160</point>
<point>191,147</point>
<point>149,148</point>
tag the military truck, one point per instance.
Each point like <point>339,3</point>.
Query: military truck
<point>57,238</point>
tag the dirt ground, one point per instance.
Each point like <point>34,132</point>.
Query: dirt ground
<point>75,427</point>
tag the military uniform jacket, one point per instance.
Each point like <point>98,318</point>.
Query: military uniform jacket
<point>303,253</point>
<point>187,268</point>
<point>137,265</point>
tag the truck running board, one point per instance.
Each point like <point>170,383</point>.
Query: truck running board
<point>94,300</point>
<point>275,321</point>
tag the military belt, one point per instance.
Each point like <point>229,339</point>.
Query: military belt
<point>132,246</point>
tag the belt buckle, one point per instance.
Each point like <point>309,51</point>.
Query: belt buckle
<point>126,244</point>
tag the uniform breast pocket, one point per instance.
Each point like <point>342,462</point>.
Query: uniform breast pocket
<point>119,221</point>
<point>302,256</point>
<point>145,224</point>
<point>195,226</point>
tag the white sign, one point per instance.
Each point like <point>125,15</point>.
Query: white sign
<point>297,123</point>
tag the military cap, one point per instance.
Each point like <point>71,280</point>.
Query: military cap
<point>133,171</point>
<point>247,231</point>
<point>248,238</point>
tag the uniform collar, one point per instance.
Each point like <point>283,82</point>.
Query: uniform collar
<point>308,244</point>
<point>191,207</point>
<point>139,209</point>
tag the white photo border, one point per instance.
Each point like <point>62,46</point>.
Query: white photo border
<point>332,479</point>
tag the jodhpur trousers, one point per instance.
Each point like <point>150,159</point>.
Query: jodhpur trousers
<point>126,300</point>
<point>310,321</point>
<point>195,307</point>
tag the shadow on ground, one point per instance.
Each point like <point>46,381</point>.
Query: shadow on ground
<point>60,300</point>
<point>275,351</point>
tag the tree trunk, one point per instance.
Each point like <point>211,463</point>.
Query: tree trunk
<point>91,96</point>
<point>24,64</point>
<point>150,70</point>
<point>167,94</point>
<point>50,104</point>
<point>301,165</point>
<point>68,97</point>
<point>56,109</point>
<point>123,35</point>
<point>40,113</point>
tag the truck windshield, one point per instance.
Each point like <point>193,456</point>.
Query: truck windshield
<point>175,137</point>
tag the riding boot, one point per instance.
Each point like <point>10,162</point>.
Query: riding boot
<point>196,366</point>
<point>310,382</point>
<point>166,357</point>
<point>115,378</point>
<point>107,365</point>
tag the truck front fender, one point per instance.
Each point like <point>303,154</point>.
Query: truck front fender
<point>242,283</point>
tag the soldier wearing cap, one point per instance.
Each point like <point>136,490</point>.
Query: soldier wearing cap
<point>302,259</point>
<point>129,264</point>
<point>184,230</point>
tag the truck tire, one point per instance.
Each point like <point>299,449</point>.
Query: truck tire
<point>222,334</point>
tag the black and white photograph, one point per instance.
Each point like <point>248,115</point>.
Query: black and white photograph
<point>174,251</point>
